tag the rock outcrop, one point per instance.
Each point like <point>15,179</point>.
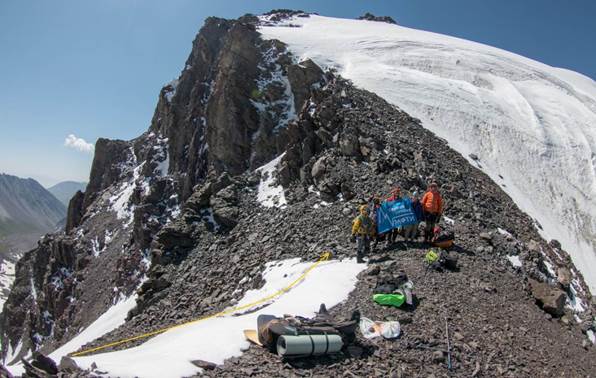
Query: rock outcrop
<point>371,17</point>
<point>228,112</point>
<point>75,211</point>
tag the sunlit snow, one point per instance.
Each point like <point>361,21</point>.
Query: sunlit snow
<point>7,270</point>
<point>514,260</point>
<point>269,194</point>
<point>110,320</point>
<point>169,354</point>
<point>529,122</point>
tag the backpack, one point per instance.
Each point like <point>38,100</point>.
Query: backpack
<point>366,223</point>
<point>443,239</point>
<point>270,329</point>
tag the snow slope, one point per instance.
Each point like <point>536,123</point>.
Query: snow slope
<point>269,194</point>
<point>169,354</point>
<point>532,126</point>
<point>7,269</point>
<point>114,317</point>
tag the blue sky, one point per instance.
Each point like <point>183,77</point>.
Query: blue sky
<point>94,68</point>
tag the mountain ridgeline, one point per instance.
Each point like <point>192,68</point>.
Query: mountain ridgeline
<point>26,206</point>
<point>66,189</point>
<point>173,216</point>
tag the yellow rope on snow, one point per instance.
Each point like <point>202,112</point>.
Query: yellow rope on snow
<point>325,256</point>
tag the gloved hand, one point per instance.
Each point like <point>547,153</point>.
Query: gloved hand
<point>353,238</point>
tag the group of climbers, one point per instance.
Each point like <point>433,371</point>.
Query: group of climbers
<point>428,209</point>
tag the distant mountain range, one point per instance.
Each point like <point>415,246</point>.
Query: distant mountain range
<point>27,206</point>
<point>66,189</point>
<point>27,211</point>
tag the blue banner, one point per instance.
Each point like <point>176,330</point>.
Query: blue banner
<point>395,214</point>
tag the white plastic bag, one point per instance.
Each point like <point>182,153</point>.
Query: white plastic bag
<point>371,329</point>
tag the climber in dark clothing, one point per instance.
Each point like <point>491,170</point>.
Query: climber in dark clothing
<point>374,204</point>
<point>411,231</point>
<point>395,196</point>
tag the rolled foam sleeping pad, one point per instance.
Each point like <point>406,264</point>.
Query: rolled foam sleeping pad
<point>288,345</point>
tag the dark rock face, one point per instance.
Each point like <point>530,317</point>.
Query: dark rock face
<point>371,17</point>
<point>224,111</point>
<point>75,211</point>
<point>109,154</point>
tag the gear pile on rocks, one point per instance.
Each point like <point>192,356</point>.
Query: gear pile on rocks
<point>178,205</point>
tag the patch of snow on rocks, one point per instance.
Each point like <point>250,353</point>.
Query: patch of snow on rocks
<point>574,302</point>
<point>33,290</point>
<point>330,283</point>
<point>120,201</point>
<point>269,194</point>
<point>504,232</point>
<point>161,156</point>
<point>171,89</point>
<point>550,268</point>
<point>207,216</point>
<point>13,353</point>
<point>7,271</point>
<point>515,261</point>
<point>278,77</point>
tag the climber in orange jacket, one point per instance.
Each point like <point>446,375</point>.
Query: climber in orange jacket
<point>432,207</point>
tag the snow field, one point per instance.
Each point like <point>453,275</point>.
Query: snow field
<point>530,123</point>
<point>169,354</point>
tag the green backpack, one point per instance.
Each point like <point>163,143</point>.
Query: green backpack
<point>395,300</point>
<point>431,257</point>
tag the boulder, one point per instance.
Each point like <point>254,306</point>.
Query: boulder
<point>371,17</point>
<point>176,235</point>
<point>552,300</point>
<point>486,236</point>
<point>564,277</point>
<point>44,364</point>
<point>302,76</point>
<point>349,144</point>
<point>68,364</point>
<point>438,356</point>
<point>319,167</point>
<point>204,364</point>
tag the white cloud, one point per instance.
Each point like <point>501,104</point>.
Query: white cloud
<point>78,144</point>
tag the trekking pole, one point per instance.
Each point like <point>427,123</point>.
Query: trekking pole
<point>449,366</point>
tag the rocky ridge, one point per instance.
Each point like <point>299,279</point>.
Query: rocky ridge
<point>227,112</point>
<point>193,225</point>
